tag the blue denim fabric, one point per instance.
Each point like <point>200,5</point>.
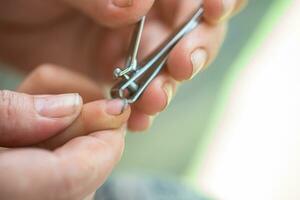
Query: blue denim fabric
<point>145,188</point>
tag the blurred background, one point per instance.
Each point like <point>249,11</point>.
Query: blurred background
<point>177,146</point>
<point>170,146</point>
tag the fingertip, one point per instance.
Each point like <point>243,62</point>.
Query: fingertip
<point>139,122</point>
<point>217,11</point>
<point>104,114</point>
<point>114,13</point>
<point>95,116</point>
<point>181,63</point>
<point>124,15</point>
<point>196,51</point>
<point>157,96</point>
<point>214,10</point>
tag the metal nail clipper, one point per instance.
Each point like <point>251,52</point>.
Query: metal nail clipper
<point>135,77</point>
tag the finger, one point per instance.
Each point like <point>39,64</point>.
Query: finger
<point>157,96</point>
<point>215,10</point>
<point>113,13</point>
<point>51,79</point>
<point>95,116</point>
<point>160,92</point>
<point>220,10</point>
<point>71,172</point>
<point>195,51</point>
<point>241,4</point>
<point>26,119</point>
<point>181,10</point>
<point>139,121</point>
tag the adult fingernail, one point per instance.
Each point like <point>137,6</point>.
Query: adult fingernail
<point>123,3</point>
<point>228,6</point>
<point>151,120</point>
<point>124,129</point>
<point>57,106</point>
<point>116,106</point>
<point>199,59</point>
<point>168,88</point>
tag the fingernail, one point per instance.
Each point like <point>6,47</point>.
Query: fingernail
<point>116,106</point>
<point>228,6</point>
<point>199,59</point>
<point>123,3</point>
<point>57,106</point>
<point>124,129</point>
<point>151,120</point>
<point>168,88</point>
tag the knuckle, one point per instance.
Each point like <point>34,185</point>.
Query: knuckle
<point>45,73</point>
<point>66,188</point>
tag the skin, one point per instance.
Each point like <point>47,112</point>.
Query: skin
<point>35,173</point>
<point>78,36</point>
<point>83,41</point>
<point>84,153</point>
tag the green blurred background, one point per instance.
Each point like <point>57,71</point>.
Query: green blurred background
<point>169,148</point>
<point>171,145</point>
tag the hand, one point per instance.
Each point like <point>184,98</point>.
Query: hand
<point>91,37</point>
<point>75,167</point>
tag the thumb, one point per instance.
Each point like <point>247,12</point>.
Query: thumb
<point>26,119</point>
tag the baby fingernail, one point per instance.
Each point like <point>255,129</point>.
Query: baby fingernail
<point>199,59</point>
<point>168,88</point>
<point>116,106</point>
<point>123,3</point>
<point>57,106</point>
<point>228,6</point>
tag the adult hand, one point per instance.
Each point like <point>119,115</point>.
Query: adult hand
<point>73,171</point>
<point>91,37</point>
<point>86,141</point>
